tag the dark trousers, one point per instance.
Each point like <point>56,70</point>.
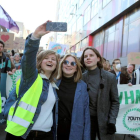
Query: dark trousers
<point>94,128</point>
<point>63,130</point>
<point>33,135</point>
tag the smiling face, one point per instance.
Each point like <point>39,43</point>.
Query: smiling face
<point>90,59</point>
<point>68,68</point>
<point>48,64</point>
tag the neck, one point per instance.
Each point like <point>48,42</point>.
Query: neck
<point>0,53</point>
<point>17,61</point>
<point>93,68</point>
<point>48,74</point>
<point>67,76</point>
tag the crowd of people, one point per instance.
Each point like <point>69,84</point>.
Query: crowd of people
<point>63,97</point>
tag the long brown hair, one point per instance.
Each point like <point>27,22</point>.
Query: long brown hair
<point>77,74</point>
<point>40,57</point>
<point>99,63</point>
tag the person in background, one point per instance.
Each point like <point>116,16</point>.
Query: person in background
<point>12,52</point>
<point>73,106</point>
<point>108,65</point>
<point>130,70</point>
<point>32,106</point>
<point>17,61</point>
<point>103,95</point>
<point>104,64</point>
<point>120,77</point>
<point>21,54</point>
<point>5,64</point>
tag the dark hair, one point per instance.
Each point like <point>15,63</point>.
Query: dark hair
<point>115,60</point>
<point>99,64</point>
<point>13,52</point>
<point>1,42</point>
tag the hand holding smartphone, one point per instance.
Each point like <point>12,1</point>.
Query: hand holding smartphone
<point>56,26</point>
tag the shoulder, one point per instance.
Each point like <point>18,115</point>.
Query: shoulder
<point>109,75</point>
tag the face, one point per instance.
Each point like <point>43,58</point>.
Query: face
<point>69,66</point>
<point>117,62</point>
<point>1,48</point>
<point>17,58</point>
<point>90,59</point>
<point>49,63</point>
<point>130,69</point>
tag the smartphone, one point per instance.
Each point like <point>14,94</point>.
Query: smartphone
<point>56,26</point>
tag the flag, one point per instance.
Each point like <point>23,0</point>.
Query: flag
<point>7,22</point>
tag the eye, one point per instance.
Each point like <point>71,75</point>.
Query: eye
<point>85,56</point>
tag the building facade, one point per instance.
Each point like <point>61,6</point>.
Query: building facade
<point>110,26</point>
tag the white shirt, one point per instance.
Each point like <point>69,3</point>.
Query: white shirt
<point>118,78</point>
<point>44,121</point>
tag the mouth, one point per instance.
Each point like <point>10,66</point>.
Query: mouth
<point>88,62</point>
<point>49,65</point>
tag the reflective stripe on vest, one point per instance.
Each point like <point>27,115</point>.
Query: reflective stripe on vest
<point>18,123</point>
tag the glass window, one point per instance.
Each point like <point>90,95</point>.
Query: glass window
<point>80,23</point>
<point>135,15</point>
<point>87,15</point>
<point>80,2</point>
<point>77,47</point>
<point>105,2</point>
<point>74,28</point>
<point>94,8</point>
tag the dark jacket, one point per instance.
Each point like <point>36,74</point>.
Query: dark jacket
<point>123,79</point>
<point>135,76</point>
<point>5,64</point>
<point>107,102</point>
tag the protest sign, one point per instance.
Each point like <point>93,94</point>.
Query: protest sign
<point>11,81</point>
<point>7,38</point>
<point>19,43</point>
<point>128,120</point>
<point>133,58</point>
<point>58,48</point>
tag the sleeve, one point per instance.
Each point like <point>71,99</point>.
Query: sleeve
<point>114,109</point>
<point>28,63</point>
<point>10,101</point>
<point>87,116</point>
<point>8,64</point>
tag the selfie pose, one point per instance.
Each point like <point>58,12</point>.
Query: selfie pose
<point>103,95</point>
<point>73,105</point>
<point>30,105</point>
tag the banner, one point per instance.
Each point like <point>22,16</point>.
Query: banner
<point>11,81</point>
<point>128,120</point>
<point>19,43</point>
<point>7,22</point>
<point>3,95</point>
<point>58,48</point>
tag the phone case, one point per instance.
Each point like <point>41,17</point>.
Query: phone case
<point>56,26</point>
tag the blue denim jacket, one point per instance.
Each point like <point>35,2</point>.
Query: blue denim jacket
<point>29,75</point>
<point>80,123</point>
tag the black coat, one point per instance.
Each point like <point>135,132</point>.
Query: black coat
<point>123,79</point>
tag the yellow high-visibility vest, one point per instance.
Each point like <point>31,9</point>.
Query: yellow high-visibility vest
<point>18,123</point>
<point>0,104</point>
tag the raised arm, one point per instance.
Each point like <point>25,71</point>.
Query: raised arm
<point>31,47</point>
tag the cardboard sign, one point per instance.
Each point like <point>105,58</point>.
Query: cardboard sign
<point>7,38</point>
<point>19,43</point>
<point>133,58</point>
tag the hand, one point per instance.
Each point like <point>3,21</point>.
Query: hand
<point>41,30</point>
<point>129,84</point>
<point>111,129</point>
<point>11,72</point>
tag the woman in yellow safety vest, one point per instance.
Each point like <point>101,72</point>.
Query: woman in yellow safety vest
<point>30,105</point>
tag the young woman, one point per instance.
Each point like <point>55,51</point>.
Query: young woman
<point>31,103</point>
<point>103,95</point>
<point>73,106</point>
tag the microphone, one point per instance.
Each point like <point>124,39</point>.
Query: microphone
<point>101,85</point>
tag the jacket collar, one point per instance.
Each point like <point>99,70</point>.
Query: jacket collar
<point>43,76</point>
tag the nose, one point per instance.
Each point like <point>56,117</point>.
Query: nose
<point>88,57</point>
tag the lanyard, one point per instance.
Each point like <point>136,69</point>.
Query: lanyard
<point>118,75</point>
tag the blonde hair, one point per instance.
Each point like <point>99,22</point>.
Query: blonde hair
<point>40,57</point>
<point>77,74</point>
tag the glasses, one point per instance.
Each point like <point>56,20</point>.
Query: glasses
<point>66,62</point>
<point>117,63</point>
